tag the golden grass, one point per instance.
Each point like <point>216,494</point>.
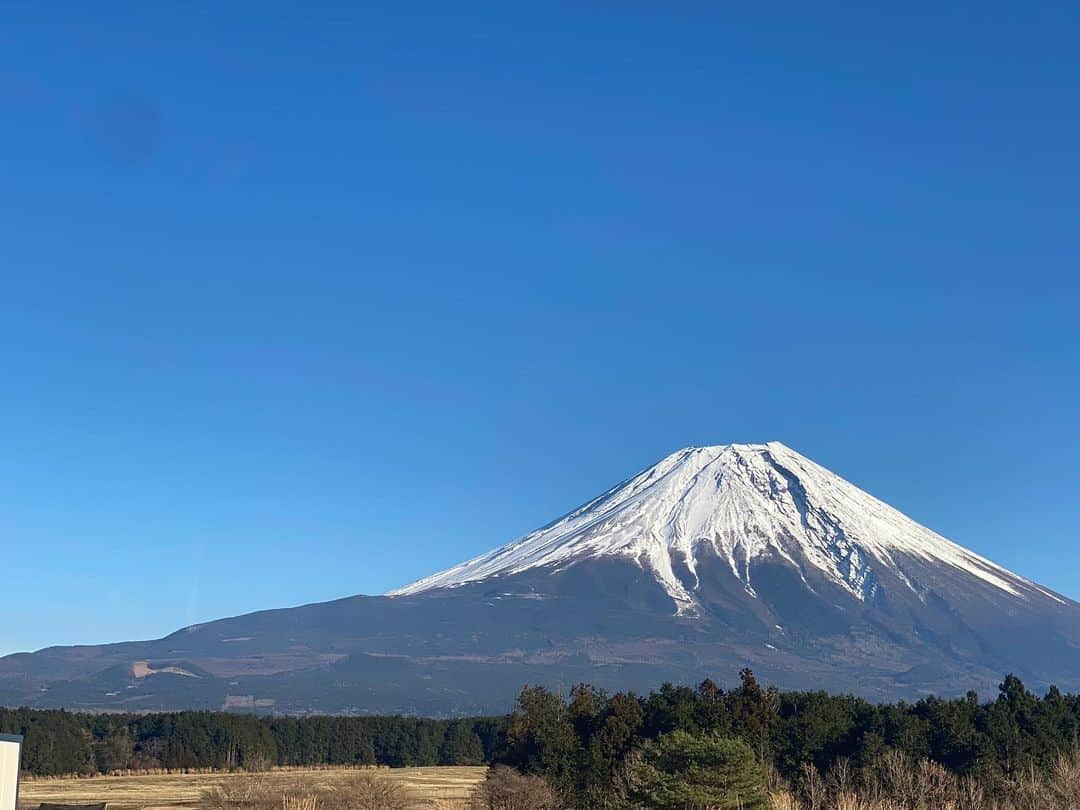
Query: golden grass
<point>448,787</point>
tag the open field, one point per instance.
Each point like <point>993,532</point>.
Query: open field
<point>169,791</point>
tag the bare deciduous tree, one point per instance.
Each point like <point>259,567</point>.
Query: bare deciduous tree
<point>895,782</point>
<point>507,789</point>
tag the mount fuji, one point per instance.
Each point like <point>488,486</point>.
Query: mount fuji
<point>711,560</point>
<point>744,505</point>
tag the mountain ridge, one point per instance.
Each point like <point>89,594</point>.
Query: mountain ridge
<point>781,473</point>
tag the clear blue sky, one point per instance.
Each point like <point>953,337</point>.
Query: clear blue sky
<point>301,303</point>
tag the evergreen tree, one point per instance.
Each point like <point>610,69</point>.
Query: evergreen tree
<point>542,738</point>
<point>755,713</point>
<point>115,750</point>
<point>461,745</point>
<point>682,771</point>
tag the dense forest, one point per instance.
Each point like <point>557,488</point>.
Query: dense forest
<point>583,744</point>
<point>61,742</point>
<point>579,741</point>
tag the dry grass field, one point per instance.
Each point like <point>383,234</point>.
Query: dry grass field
<point>442,786</point>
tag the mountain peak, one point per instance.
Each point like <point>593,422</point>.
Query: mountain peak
<point>741,504</point>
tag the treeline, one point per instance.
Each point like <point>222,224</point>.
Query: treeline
<point>61,742</point>
<point>588,745</point>
<point>577,742</point>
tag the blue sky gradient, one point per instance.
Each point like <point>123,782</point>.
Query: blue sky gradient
<point>300,304</point>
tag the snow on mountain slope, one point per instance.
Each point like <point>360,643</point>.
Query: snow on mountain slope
<point>740,502</point>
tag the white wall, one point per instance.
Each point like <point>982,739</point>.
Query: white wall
<point>9,774</point>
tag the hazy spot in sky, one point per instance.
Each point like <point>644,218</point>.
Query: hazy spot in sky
<point>126,130</point>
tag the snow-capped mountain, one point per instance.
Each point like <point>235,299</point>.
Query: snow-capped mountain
<point>713,559</point>
<point>741,503</point>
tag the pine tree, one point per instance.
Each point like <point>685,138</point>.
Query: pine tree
<point>682,771</point>
<point>542,739</point>
<point>461,745</point>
